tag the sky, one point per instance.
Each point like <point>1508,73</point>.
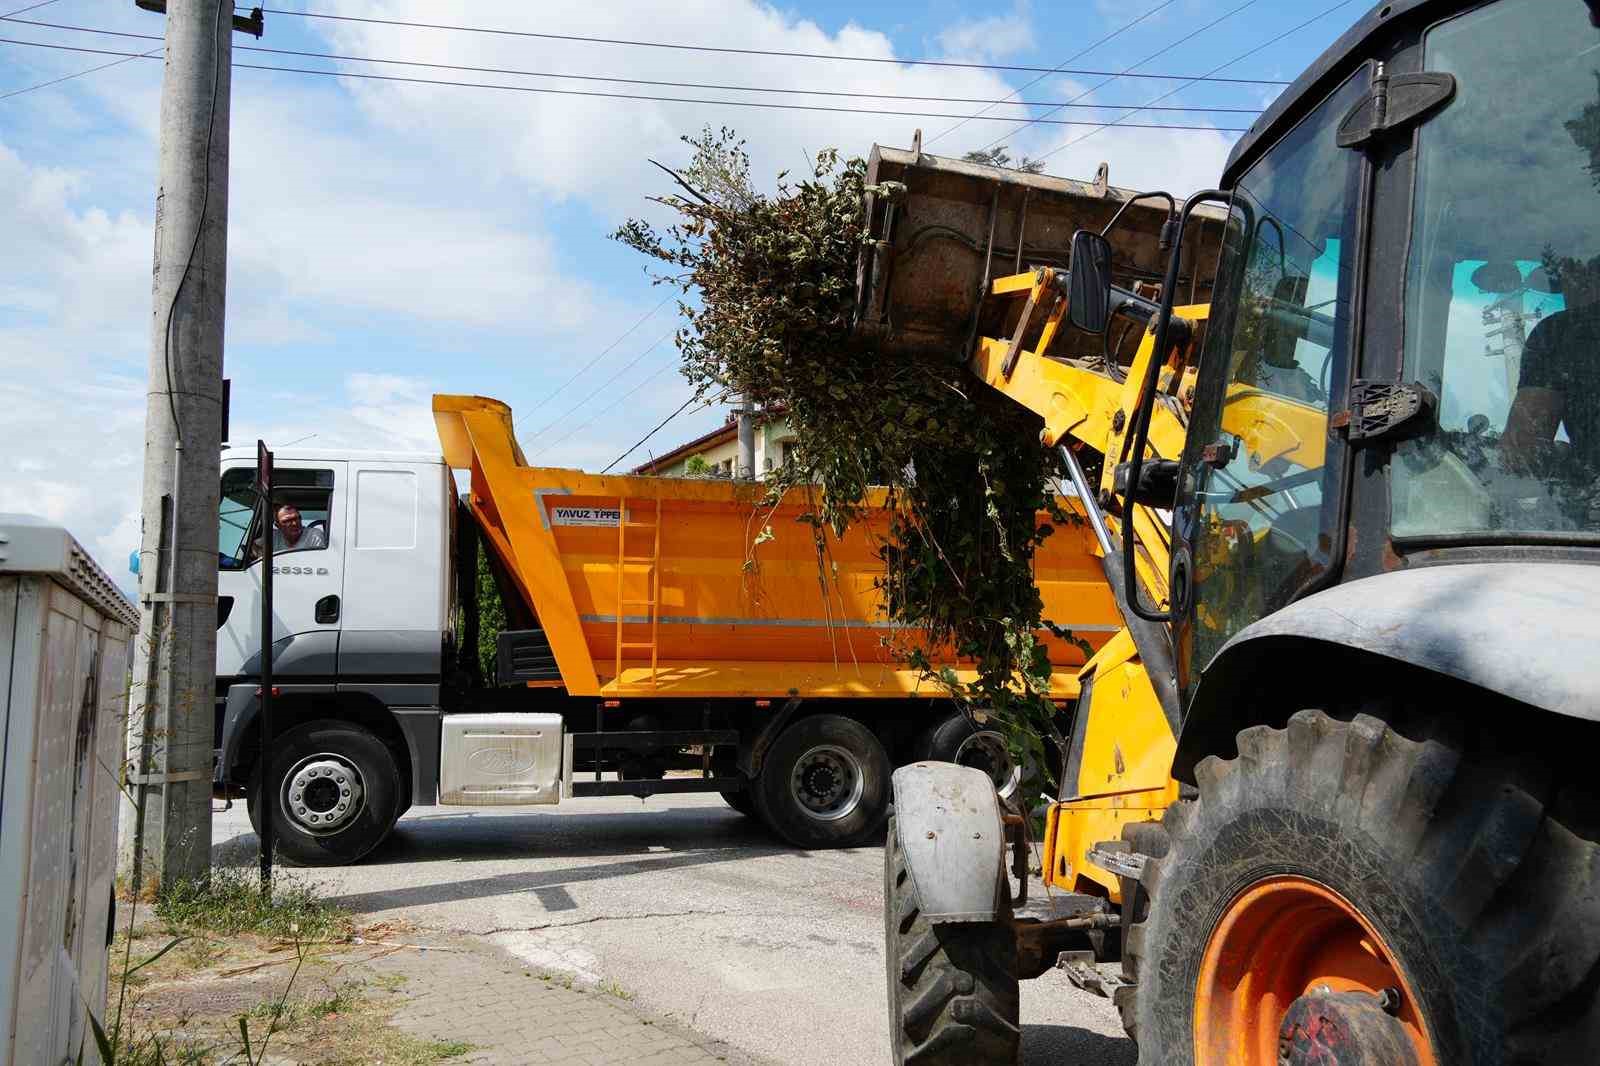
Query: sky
<point>391,240</point>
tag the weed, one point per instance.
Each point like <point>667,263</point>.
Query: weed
<point>230,902</point>
<point>612,988</point>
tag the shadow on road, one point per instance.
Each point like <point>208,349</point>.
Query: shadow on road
<point>1051,1045</point>
<point>661,839</point>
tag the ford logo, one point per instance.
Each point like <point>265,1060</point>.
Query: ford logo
<point>502,762</point>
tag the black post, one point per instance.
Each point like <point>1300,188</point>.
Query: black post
<point>264,806</point>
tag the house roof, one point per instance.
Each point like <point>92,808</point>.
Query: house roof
<point>721,435</point>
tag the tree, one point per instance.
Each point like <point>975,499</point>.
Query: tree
<point>999,157</point>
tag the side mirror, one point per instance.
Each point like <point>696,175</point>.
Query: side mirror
<point>1089,288</point>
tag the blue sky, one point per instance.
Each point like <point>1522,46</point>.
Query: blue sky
<point>388,241</point>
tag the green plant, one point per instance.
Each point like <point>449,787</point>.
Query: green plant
<point>965,474</point>
<point>230,902</point>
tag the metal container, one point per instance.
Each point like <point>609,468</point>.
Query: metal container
<point>939,231</point>
<point>488,759</point>
<point>65,638</point>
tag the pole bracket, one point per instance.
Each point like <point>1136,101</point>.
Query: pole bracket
<point>176,597</point>
<point>253,23</point>
<point>171,777</point>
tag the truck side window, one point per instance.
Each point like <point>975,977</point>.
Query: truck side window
<point>235,514</point>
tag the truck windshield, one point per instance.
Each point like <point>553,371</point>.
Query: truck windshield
<point>1503,283</point>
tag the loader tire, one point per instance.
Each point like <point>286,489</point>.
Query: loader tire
<point>825,784</point>
<point>313,769</point>
<point>953,988</point>
<point>1457,871</point>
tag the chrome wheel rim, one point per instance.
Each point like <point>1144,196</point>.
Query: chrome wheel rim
<point>322,794</point>
<point>986,750</point>
<point>827,782</point>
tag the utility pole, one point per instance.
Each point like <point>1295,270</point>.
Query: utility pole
<point>166,829</point>
<point>744,466</point>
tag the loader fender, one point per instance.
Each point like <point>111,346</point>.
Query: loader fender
<point>1523,630</point>
<point>947,818</point>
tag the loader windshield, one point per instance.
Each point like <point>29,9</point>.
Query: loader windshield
<point>1503,283</point>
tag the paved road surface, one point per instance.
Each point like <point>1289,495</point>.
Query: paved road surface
<point>689,906</point>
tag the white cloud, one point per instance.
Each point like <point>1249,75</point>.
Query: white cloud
<point>993,37</point>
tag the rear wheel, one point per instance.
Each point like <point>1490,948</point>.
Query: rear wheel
<point>1410,900</point>
<point>334,792</point>
<point>959,740</point>
<point>825,784</point>
<point>740,801</point>
<point>953,989</point>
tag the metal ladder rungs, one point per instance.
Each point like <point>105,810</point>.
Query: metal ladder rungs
<point>639,559</point>
<point>638,603</point>
<point>636,645</point>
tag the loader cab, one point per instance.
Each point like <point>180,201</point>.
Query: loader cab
<point>1402,367</point>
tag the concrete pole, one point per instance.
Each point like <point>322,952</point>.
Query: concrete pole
<point>166,832</point>
<point>744,467</point>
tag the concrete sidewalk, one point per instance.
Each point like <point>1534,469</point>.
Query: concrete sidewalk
<point>463,989</point>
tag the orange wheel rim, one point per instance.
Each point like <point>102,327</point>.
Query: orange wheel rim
<point>1282,939</point>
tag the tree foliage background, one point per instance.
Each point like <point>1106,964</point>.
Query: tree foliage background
<point>966,475</point>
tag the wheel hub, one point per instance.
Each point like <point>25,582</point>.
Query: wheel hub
<point>827,782</point>
<point>322,793</point>
<point>1293,974</point>
<point>1344,1029</point>
<point>986,750</point>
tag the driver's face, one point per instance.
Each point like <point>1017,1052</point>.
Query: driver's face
<point>289,522</point>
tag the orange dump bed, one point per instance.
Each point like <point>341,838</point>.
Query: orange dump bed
<point>670,586</point>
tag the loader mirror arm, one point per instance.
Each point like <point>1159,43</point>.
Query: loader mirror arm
<point>1141,417</point>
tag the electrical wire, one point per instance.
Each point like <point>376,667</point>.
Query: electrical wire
<point>620,400</point>
<point>659,426</point>
<point>646,97</point>
<point>603,386</point>
<point>1236,59</point>
<point>1045,119</point>
<point>761,104</point>
<point>738,51</point>
<point>1070,59</point>
<point>776,90</point>
<point>78,74</point>
<point>585,368</point>
<point>25,10</point>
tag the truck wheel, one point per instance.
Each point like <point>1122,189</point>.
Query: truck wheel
<point>334,790</point>
<point>1419,901</point>
<point>741,801</point>
<point>958,739</point>
<point>953,988</point>
<point>825,784</point>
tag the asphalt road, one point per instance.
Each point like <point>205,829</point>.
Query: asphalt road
<point>689,906</point>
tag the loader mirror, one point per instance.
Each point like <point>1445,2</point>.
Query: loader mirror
<point>1089,291</point>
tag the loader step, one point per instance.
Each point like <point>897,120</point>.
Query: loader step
<point>1083,971</point>
<point>1118,863</point>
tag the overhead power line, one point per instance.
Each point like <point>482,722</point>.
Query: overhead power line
<point>624,335</point>
<point>539,90</point>
<point>338,57</point>
<point>30,7</point>
<point>1073,58</point>
<point>575,408</point>
<point>736,51</point>
<point>1045,117</point>
<point>77,74</point>
<point>659,427</point>
<point>1236,59</point>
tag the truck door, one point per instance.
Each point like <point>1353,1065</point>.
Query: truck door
<point>308,569</point>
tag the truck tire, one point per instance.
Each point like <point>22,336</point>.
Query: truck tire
<point>313,769</point>
<point>956,738</point>
<point>953,988</point>
<point>824,784</point>
<point>741,801</point>
<point>1341,854</point>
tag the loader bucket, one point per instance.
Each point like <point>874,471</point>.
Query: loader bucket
<point>940,231</point>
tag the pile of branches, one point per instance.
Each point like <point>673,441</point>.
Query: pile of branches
<point>966,477</point>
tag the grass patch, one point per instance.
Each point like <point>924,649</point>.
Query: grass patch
<point>230,903</point>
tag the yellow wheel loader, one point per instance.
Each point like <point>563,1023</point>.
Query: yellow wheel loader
<point>1328,798</point>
